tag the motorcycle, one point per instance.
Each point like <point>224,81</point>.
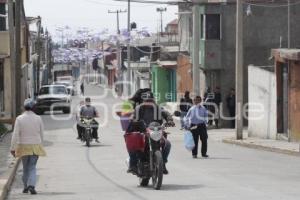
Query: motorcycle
<point>148,146</point>
<point>87,134</point>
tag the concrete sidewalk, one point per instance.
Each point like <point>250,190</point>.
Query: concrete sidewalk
<point>8,166</point>
<point>228,136</point>
<point>278,146</point>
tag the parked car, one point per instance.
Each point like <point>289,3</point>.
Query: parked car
<point>65,79</point>
<point>53,97</point>
<point>69,85</point>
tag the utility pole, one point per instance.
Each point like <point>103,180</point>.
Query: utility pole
<point>62,35</point>
<point>48,56</point>
<point>289,23</point>
<point>128,51</point>
<point>239,68</point>
<point>18,72</point>
<point>196,49</point>
<point>118,42</point>
<point>11,28</point>
<point>118,21</point>
<point>150,68</point>
<point>161,10</point>
<point>103,60</point>
<point>39,53</point>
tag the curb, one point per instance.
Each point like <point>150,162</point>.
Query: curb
<point>260,147</point>
<point>7,179</point>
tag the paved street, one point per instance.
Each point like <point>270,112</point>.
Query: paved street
<point>72,171</point>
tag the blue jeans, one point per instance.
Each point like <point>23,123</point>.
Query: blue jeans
<point>182,115</point>
<point>29,170</point>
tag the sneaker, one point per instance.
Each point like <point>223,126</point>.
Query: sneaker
<point>165,171</point>
<point>205,156</point>
<point>32,190</point>
<point>25,191</point>
<point>97,140</point>
<point>194,156</point>
<point>132,170</point>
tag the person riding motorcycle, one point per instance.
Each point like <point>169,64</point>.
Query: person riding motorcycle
<point>79,126</point>
<point>149,112</point>
<point>89,111</point>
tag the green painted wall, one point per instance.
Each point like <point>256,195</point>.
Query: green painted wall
<point>164,84</point>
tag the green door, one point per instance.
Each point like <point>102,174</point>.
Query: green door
<point>164,84</point>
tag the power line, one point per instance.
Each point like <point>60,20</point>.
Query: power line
<point>118,21</point>
<point>154,2</point>
<point>272,6</point>
<point>115,5</point>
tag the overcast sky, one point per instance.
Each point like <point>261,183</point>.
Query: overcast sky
<point>94,14</point>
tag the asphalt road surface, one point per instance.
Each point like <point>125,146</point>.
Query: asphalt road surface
<point>73,171</point>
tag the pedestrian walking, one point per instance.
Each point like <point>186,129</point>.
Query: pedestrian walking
<point>230,100</point>
<point>26,144</point>
<point>196,121</point>
<point>82,88</point>
<point>185,104</point>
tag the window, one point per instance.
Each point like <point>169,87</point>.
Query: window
<point>2,19</point>
<point>53,90</point>
<point>211,26</point>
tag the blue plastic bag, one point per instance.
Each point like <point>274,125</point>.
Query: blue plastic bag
<point>189,140</point>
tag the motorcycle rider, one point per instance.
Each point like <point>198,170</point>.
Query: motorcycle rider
<point>79,127</point>
<point>149,112</point>
<point>89,111</point>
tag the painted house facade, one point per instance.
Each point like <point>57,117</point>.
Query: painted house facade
<point>265,28</point>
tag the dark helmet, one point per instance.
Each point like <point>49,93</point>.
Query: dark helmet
<point>147,96</point>
<point>187,94</point>
<point>87,99</point>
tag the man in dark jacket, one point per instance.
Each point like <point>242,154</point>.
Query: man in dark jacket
<point>217,101</point>
<point>230,100</point>
<point>149,112</point>
<point>185,104</point>
<point>82,88</point>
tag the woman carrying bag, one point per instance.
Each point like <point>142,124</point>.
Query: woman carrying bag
<point>26,144</point>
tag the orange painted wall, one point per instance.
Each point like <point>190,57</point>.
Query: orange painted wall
<point>294,101</point>
<point>184,75</point>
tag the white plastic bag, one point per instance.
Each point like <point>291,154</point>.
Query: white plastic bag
<point>189,140</point>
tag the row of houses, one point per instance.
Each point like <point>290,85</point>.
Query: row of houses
<point>164,61</point>
<point>272,88</point>
<point>30,43</point>
<point>274,97</point>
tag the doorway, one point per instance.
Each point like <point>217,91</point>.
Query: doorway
<point>282,99</point>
